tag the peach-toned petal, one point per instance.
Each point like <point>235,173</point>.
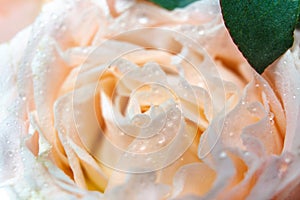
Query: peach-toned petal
<point>139,186</point>
<point>196,179</point>
<point>284,76</point>
<point>42,180</point>
<point>89,100</point>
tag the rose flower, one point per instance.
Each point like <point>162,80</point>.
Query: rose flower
<point>125,100</point>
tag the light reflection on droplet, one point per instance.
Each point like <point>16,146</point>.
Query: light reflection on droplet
<point>223,155</point>
<point>162,140</point>
<point>271,118</point>
<point>169,124</point>
<point>287,160</point>
<point>141,120</point>
<point>143,20</point>
<point>143,147</point>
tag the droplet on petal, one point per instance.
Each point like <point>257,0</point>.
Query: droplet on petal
<point>162,140</point>
<point>223,155</point>
<point>287,160</point>
<point>271,118</point>
<point>141,120</point>
<point>143,147</point>
<point>169,124</point>
<point>143,20</point>
<point>246,153</point>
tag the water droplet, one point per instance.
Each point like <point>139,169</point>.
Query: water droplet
<point>62,130</point>
<point>294,96</point>
<point>287,160</point>
<point>123,24</point>
<point>143,147</point>
<point>42,25</point>
<point>257,85</point>
<point>246,153</point>
<point>201,32</point>
<point>156,91</point>
<point>63,28</point>
<point>231,134</point>
<point>141,120</point>
<point>223,155</point>
<point>143,20</point>
<point>14,168</point>
<point>174,117</point>
<point>271,118</point>
<point>10,153</point>
<point>162,140</point>
<point>252,109</point>
<point>68,7</point>
<point>169,124</point>
<point>53,16</point>
<point>23,98</point>
<point>285,62</point>
<point>243,102</point>
<point>85,51</point>
<point>57,26</point>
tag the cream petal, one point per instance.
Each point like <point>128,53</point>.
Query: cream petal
<point>70,129</point>
<point>224,178</point>
<point>253,119</point>
<point>277,173</point>
<point>41,179</point>
<point>195,178</point>
<point>12,130</point>
<point>139,186</point>
<point>62,26</point>
<point>247,165</point>
<point>284,76</point>
<point>47,65</point>
<point>244,157</point>
<point>131,159</point>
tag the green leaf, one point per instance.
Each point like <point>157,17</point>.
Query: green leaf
<point>262,29</point>
<point>172,4</point>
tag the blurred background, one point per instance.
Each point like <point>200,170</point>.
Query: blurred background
<point>16,15</point>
